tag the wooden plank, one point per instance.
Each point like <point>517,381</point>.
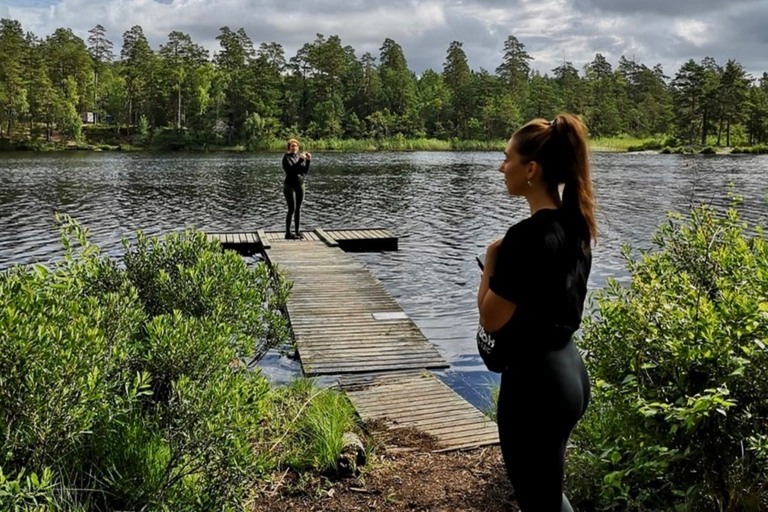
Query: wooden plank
<point>263,239</point>
<point>326,238</point>
<point>371,367</point>
<point>455,423</point>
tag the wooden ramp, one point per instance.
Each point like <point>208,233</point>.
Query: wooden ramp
<point>420,400</point>
<point>343,319</point>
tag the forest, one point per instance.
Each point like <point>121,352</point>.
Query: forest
<point>64,87</point>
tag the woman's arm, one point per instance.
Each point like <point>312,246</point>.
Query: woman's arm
<point>495,311</point>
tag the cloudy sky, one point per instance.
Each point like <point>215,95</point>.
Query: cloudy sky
<point>652,31</point>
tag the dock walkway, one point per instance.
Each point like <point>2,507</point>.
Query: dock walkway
<point>345,323</point>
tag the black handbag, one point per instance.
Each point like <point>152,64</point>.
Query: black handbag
<point>491,351</point>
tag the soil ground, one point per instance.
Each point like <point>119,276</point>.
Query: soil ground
<point>406,476</point>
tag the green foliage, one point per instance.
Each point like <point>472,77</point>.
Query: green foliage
<point>760,149</point>
<point>26,492</point>
<point>245,96</point>
<point>65,336</point>
<point>123,388</point>
<point>188,273</point>
<point>679,360</point>
<point>308,424</point>
<point>144,133</point>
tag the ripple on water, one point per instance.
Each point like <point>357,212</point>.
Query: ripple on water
<point>446,208</point>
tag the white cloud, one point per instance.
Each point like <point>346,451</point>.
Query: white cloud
<point>693,31</point>
<point>552,30</point>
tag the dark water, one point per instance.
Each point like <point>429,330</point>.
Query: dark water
<point>445,207</point>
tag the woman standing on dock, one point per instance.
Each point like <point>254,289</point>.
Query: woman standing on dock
<point>296,167</point>
<point>531,298</point>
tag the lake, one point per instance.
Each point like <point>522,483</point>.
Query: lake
<point>445,207</point>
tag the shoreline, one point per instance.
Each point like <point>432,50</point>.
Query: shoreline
<point>239,149</point>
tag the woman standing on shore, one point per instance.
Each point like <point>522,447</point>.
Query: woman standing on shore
<point>296,167</point>
<point>530,300</point>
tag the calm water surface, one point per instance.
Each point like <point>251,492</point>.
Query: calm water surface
<point>445,207</point>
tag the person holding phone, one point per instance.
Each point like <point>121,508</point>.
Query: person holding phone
<point>530,300</point>
<point>296,167</point>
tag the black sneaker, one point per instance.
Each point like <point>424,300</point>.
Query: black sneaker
<point>290,236</point>
<point>298,235</point>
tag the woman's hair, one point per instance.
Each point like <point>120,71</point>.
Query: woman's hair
<point>291,141</point>
<point>560,147</point>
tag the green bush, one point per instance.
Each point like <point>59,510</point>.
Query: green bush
<point>758,149</point>
<point>27,492</point>
<point>679,419</point>
<point>188,273</point>
<point>708,150</point>
<point>131,395</point>
<point>648,145</point>
<point>65,336</point>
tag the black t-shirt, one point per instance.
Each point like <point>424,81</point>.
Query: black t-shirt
<point>295,169</point>
<point>542,266</point>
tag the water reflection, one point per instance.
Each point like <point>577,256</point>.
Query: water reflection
<point>445,207</point>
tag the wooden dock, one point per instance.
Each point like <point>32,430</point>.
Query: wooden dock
<point>418,399</point>
<point>349,240</point>
<point>343,319</point>
<point>345,323</point>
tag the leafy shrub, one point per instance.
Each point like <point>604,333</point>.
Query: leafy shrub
<point>648,145</point>
<point>65,335</point>
<point>188,273</point>
<point>28,492</point>
<point>708,150</point>
<point>130,395</point>
<point>679,419</point>
<point>758,149</point>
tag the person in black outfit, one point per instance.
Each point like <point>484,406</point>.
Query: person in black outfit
<point>531,299</point>
<point>296,167</point>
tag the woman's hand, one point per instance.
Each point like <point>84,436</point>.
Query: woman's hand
<point>307,156</point>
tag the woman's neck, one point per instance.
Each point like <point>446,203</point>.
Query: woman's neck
<point>542,200</point>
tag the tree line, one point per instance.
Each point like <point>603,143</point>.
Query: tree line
<point>243,93</point>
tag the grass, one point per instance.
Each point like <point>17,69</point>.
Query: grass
<point>305,427</point>
<point>758,149</point>
<point>493,403</point>
<point>623,144</point>
<point>326,421</point>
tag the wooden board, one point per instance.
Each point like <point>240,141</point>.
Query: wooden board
<point>331,308</point>
<point>419,400</point>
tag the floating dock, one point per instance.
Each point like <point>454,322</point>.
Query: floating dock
<point>346,324</point>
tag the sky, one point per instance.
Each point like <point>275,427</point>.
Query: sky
<point>666,32</point>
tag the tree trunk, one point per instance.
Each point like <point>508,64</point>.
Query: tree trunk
<point>719,132</point>
<point>178,112</point>
<point>130,116</point>
<point>704,128</point>
<point>728,133</point>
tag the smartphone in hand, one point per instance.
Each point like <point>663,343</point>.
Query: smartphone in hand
<point>480,258</point>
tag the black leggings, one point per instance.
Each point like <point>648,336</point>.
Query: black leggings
<point>540,401</point>
<point>294,196</point>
